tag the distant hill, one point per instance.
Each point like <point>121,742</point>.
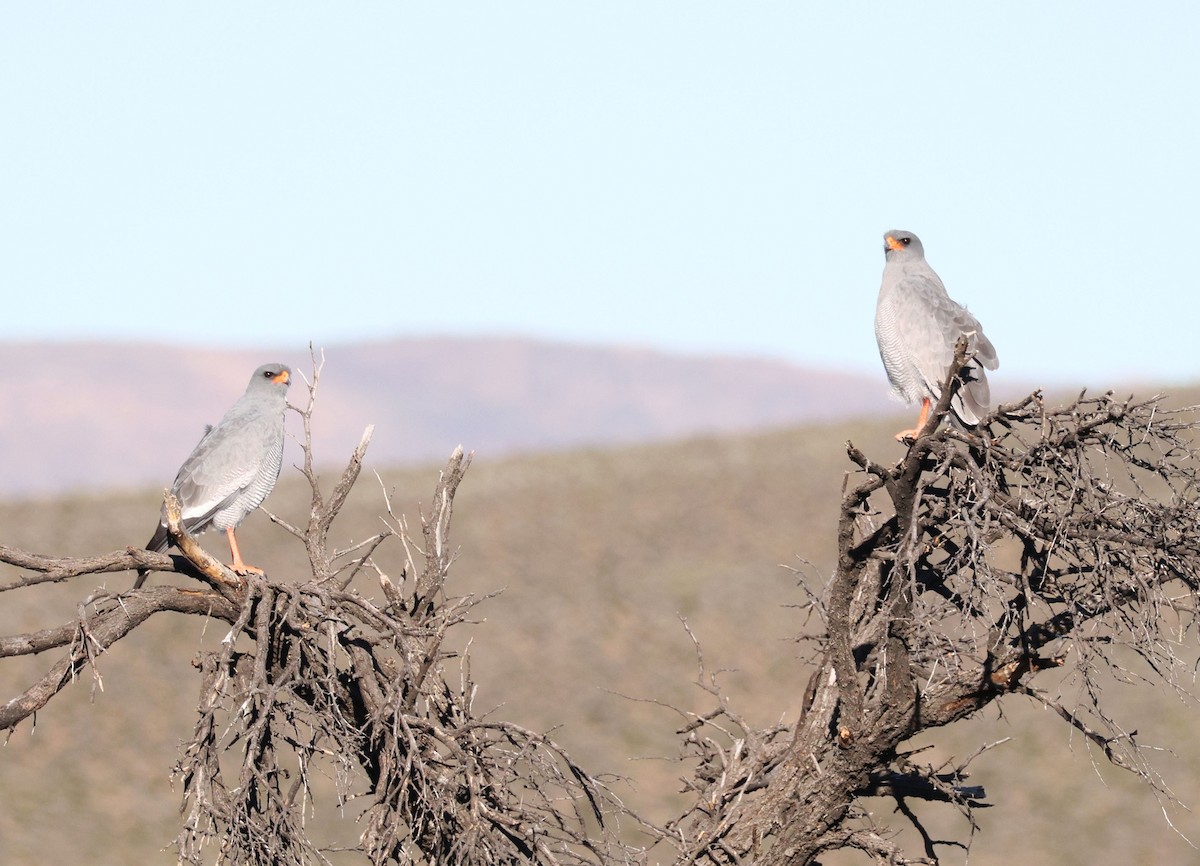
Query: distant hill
<point>95,416</point>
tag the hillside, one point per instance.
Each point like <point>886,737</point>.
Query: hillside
<point>82,416</point>
<point>599,553</point>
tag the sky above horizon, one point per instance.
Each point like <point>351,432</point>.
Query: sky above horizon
<point>700,177</point>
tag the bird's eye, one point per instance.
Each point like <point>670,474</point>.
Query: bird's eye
<point>906,241</point>
<point>267,374</point>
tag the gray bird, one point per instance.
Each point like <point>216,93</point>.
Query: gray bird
<point>917,325</point>
<point>233,467</point>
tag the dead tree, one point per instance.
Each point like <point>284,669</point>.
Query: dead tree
<point>314,678</point>
<point>1045,538</point>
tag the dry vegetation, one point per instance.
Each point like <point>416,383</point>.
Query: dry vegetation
<point>599,555</point>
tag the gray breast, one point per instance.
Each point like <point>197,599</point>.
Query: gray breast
<point>894,349</point>
<point>256,491</point>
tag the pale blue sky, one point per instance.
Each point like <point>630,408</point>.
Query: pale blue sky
<point>691,176</point>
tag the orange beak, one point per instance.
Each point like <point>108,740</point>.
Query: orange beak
<point>892,243</point>
<point>281,377</point>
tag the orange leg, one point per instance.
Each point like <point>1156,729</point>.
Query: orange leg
<point>239,566</point>
<point>912,434</point>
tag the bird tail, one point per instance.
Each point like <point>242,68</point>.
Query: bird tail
<point>158,542</point>
<point>974,398</point>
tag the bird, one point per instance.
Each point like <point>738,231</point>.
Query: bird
<point>917,325</point>
<point>233,468</point>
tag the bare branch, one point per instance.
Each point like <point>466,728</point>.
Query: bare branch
<point>111,617</point>
<point>1062,538</point>
<point>313,678</point>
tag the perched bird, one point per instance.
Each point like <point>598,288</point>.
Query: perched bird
<point>917,325</point>
<point>233,467</point>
